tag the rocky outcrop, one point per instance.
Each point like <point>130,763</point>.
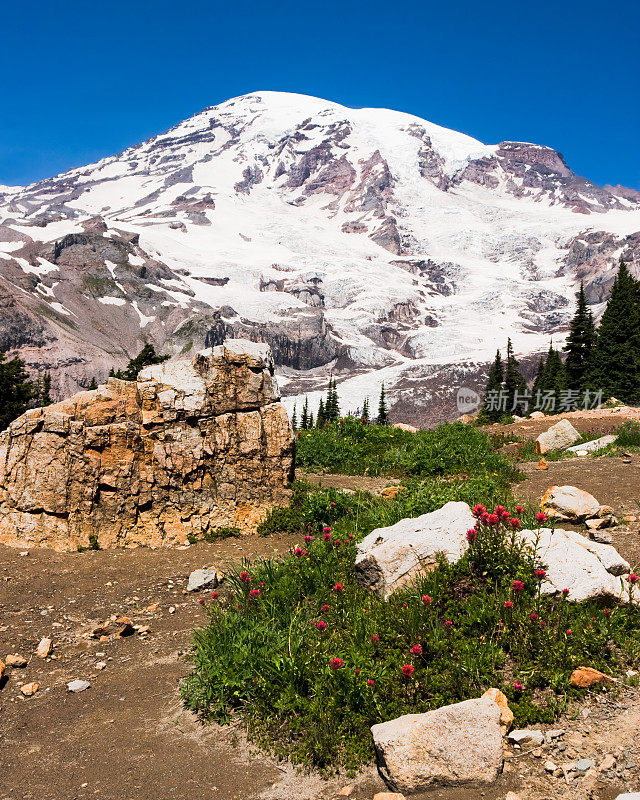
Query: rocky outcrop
<point>454,745</point>
<point>189,447</point>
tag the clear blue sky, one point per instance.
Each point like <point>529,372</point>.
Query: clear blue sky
<point>82,80</point>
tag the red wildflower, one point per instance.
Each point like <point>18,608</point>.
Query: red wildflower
<point>350,536</point>
<point>565,592</point>
<point>508,603</point>
<point>371,682</point>
<point>407,670</point>
<point>518,587</point>
<point>519,510</point>
<point>633,578</point>
<point>337,542</point>
<point>494,519</point>
<point>357,671</point>
<point>332,504</point>
<point>541,517</point>
<point>214,595</point>
<point>426,599</point>
<point>254,594</point>
<point>534,616</point>
<point>448,623</point>
<point>244,576</point>
<point>478,510</point>
<point>336,663</point>
<point>326,529</point>
<point>375,638</point>
<point>541,573</point>
<point>308,538</point>
<point>299,552</point>
<point>471,535</point>
<point>499,509</point>
<point>518,686</point>
<point>321,625</point>
<point>416,650</point>
<point>515,523</point>
<point>338,588</point>
<point>327,537</point>
<point>201,601</point>
<point>543,624</point>
<point>325,608</point>
<point>569,631</point>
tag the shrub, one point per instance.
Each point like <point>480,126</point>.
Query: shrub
<point>311,659</point>
<point>629,435</point>
<point>223,532</point>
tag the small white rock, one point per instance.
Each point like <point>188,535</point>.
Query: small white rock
<point>78,686</point>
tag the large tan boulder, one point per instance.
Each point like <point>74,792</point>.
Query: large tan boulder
<point>569,503</point>
<point>188,447</point>
<point>454,745</point>
<point>390,557</point>
<point>558,437</point>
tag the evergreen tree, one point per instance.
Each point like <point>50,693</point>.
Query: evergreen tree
<point>491,408</point>
<point>45,390</point>
<point>538,385</point>
<point>93,384</point>
<point>331,407</point>
<point>554,374</point>
<point>615,363</point>
<point>16,390</point>
<point>514,384</point>
<point>311,419</point>
<point>383,417</point>
<point>294,419</point>
<point>145,358</point>
<point>365,409</point>
<point>580,343</point>
<point>304,419</point>
<point>320,418</point>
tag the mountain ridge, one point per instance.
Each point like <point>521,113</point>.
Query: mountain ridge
<point>353,240</point>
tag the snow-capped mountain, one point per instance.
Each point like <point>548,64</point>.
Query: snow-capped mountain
<point>364,242</point>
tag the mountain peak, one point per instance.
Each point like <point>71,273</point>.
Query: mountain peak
<point>355,240</point>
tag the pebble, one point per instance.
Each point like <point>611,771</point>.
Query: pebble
<point>29,689</point>
<point>550,766</point>
<point>78,686</point>
<point>44,648</point>
<point>584,764</point>
<point>15,660</point>
<point>526,737</point>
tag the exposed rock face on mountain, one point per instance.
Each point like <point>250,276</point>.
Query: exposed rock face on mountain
<point>353,241</point>
<point>190,447</point>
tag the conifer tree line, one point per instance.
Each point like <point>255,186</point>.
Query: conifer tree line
<point>602,359</point>
<point>18,391</point>
<point>329,411</point>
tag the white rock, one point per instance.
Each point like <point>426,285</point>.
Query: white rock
<point>587,569</point>
<point>558,437</point>
<point>593,446</point>
<point>78,686</point>
<point>569,503</point>
<point>201,578</point>
<point>453,745</point>
<point>629,796</point>
<point>537,415</point>
<point>390,557</point>
<point>524,736</point>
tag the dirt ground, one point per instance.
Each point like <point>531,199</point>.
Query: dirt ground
<point>127,737</point>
